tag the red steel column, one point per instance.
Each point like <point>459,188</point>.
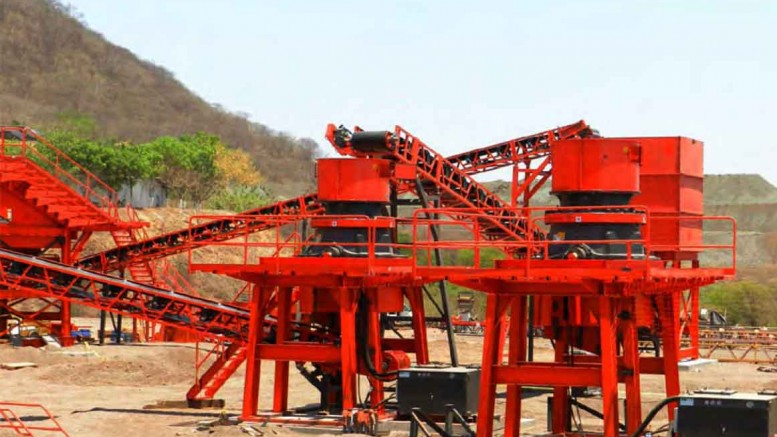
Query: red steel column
<point>516,354</point>
<point>502,334</point>
<point>416,298</point>
<point>281,390</point>
<point>694,327</point>
<point>348,300</point>
<point>64,314</point>
<point>560,410</point>
<point>253,363</point>
<point>376,396</point>
<point>669,339</point>
<point>609,357</point>
<point>491,357</point>
<point>631,368</point>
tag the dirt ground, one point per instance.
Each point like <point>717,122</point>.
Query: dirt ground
<point>101,391</point>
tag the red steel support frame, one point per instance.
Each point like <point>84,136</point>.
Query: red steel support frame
<point>615,319</point>
<point>494,311</point>
<point>253,366</point>
<point>345,295</point>
<point>415,297</point>
<point>611,295</point>
<point>614,307</point>
<point>281,397</point>
<point>348,300</point>
<point>669,313</point>
<point>609,380</point>
<point>517,353</point>
<point>66,337</point>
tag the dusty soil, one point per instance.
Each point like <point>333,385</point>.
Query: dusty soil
<point>103,393</point>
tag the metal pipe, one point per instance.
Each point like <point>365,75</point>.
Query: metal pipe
<point>101,332</point>
<point>443,291</point>
<point>530,330</point>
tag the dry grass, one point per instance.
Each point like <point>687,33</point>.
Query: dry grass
<point>52,64</point>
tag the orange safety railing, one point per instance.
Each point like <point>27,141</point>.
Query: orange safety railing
<point>133,217</point>
<point>460,232</point>
<point>205,356</point>
<point>168,273</point>
<point>739,344</point>
<point>12,415</point>
<point>19,141</point>
<point>285,238</point>
<point>464,225</point>
<point>700,246</point>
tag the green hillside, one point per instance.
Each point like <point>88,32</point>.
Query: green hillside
<point>56,71</point>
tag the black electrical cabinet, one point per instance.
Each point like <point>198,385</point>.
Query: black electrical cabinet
<point>431,389</point>
<point>727,415</point>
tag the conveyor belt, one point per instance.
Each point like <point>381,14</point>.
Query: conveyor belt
<point>517,150</point>
<point>52,279</point>
<point>468,163</point>
<point>181,240</point>
<point>458,188</point>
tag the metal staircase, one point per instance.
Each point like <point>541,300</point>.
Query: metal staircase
<point>70,195</point>
<point>55,184</point>
<point>222,368</point>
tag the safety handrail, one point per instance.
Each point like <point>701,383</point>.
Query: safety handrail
<point>532,250</point>
<point>180,240</point>
<point>686,247</point>
<point>91,183</point>
<point>170,275</point>
<point>286,239</point>
<point>13,421</point>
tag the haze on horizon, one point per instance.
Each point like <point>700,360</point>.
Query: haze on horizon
<point>466,74</point>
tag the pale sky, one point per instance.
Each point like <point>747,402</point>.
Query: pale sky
<point>461,74</point>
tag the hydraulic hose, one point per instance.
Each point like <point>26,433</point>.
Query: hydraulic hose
<point>362,329</point>
<point>652,414</point>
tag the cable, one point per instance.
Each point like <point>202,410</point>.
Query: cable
<point>388,398</point>
<point>361,322</point>
<point>662,429</point>
<point>652,414</point>
<point>579,416</point>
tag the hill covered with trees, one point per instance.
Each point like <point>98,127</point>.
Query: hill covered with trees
<point>194,170</point>
<point>58,74</point>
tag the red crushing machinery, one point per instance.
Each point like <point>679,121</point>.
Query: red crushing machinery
<point>607,269</point>
<point>600,269</point>
<point>344,279</point>
<point>616,262</point>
